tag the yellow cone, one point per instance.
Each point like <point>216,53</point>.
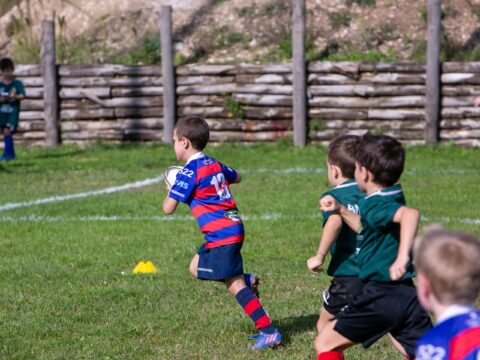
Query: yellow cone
<point>145,267</point>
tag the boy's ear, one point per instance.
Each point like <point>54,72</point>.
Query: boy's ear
<point>424,291</point>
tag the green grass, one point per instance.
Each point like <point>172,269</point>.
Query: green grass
<point>62,292</point>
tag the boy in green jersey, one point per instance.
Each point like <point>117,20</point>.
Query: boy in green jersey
<point>337,236</point>
<point>12,92</point>
<point>387,228</point>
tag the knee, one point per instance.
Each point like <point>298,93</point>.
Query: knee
<point>320,344</point>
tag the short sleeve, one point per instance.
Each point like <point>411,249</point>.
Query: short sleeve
<point>230,174</point>
<point>184,185</point>
<point>20,88</point>
<point>327,214</point>
<point>379,214</point>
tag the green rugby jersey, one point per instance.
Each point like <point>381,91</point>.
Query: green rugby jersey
<point>343,250</point>
<point>380,237</point>
<point>9,111</point>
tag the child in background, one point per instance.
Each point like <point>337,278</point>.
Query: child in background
<point>203,185</point>
<point>388,302</point>
<point>448,284</point>
<point>12,92</point>
<point>337,236</point>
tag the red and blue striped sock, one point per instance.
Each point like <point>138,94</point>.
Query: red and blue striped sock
<point>252,306</point>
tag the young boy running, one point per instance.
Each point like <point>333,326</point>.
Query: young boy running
<point>203,185</point>
<point>12,92</point>
<point>448,284</point>
<point>388,301</point>
<point>337,236</point>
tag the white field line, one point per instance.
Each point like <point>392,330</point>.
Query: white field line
<point>147,182</point>
<point>164,218</point>
<point>57,198</point>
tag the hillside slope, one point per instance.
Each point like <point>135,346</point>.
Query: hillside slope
<point>219,31</point>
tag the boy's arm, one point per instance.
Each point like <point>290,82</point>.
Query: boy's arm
<point>330,233</point>
<point>169,205</point>
<point>408,219</point>
<point>328,203</point>
<point>237,179</point>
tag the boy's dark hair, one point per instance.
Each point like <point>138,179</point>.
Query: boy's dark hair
<point>383,156</point>
<point>342,153</point>
<point>6,64</point>
<point>194,129</point>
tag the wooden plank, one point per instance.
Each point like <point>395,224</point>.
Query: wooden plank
<point>134,112</point>
<point>108,70</point>
<point>375,124</point>
<point>87,114</point>
<point>392,78</point>
<point>205,89</point>
<point>28,70</point>
<point>33,104</point>
<point>339,113</point>
<point>80,93</point>
<point>394,114</point>
<point>459,90</point>
<point>152,101</point>
<point>460,78</point>
<point>31,115</point>
<point>330,79</point>
<point>263,100</point>
<point>264,69</point>
<point>264,79</point>
<point>266,113</point>
<point>337,67</point>
<point>196,69</point>
<point>111,81</point>
<point>137,91</point>
<point>459,113</point>
<point>460,124</point>
<point>222,136</point>
<point>205,112</point>
<point>399,66</point>
<point>365,90</point>
<point>264,89</point>
<point>376,102</point>
<point>31,81</point>
<point>249,125</point>
<point>200,100</point>
<point>461,67</point>
<point>204,80</point>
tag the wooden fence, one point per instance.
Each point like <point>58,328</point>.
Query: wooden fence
<point>253,102</point>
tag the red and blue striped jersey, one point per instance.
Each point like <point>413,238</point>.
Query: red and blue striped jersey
<point>203,186</point>
<point>457,338</point>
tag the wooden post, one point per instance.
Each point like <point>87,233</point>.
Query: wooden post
<point>50,84</point>
<point>168,74</point>
<point>299,74</point>
<point>432,101</point>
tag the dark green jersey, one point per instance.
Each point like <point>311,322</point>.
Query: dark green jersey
<point>380,237</point>
<point>9,111</point>
<point>343,251</point>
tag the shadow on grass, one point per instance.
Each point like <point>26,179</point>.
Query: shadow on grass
<point>294,325</point>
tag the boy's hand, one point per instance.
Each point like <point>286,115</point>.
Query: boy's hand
<point>398,268</point>
<point>329,204</point>
<point>315,263</point>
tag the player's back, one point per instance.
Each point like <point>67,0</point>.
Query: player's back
<point>457,338</point>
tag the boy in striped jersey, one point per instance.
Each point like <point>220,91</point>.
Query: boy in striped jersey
<point>203,185</point>
<point>336,235</point>
<point>387,227</point>
<point>448,285</point>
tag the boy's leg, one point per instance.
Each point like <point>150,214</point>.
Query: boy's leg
<point>268,336</point>
<point>398,346</point>
<point>329,344</point>
<point>324,318</point>
<point>9,152</point>
<point>194,265</point>
<point>252,281</point>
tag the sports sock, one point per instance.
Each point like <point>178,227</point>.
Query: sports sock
<point>248,280</point>
<point>9,151</point>
<point>254,309</point>
<point>330,355</point>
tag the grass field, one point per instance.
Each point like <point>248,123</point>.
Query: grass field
<point>63,295</point>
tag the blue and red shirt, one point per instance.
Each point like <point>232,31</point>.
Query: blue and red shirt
<point>454,338</point>
<point>203,186</point>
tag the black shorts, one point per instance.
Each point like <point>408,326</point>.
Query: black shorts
<point>341,292</point>
<point>220,263</point>
<point>383,308</point>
